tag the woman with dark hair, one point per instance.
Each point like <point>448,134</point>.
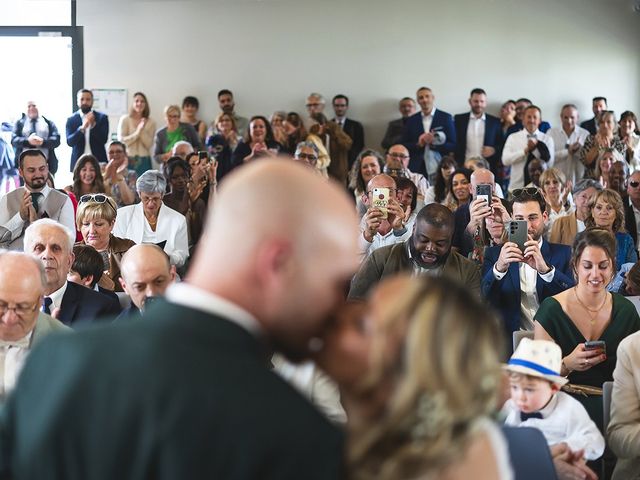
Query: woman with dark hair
<point>222,143</point>
<point>87,177</point>
<point>459,192</point>
<point>407,196</point>
<point>257,142</point>
<point>190,107</point>
<point>628,131</point>
<point>438,192</point>
<point>367,165</point>
<point>136,131</point>
<point>587,313</point>
<point>295,130</point>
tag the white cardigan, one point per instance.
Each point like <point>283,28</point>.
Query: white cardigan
<point>172,227</point>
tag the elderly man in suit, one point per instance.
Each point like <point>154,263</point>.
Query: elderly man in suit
<point>69,302</point>
<point>393,135</point>
<point>190,393</point>
<point>22,324</point>
<point>87,130</point>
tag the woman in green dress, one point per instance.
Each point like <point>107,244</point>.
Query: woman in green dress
<point>174,132</point>
<point>587,312</point>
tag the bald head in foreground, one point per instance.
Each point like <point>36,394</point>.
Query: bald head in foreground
<point>187,392</point>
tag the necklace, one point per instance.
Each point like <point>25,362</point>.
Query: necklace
<point>592,313</point>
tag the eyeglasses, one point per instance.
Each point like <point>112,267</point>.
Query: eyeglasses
<point>96,198</point>
<point>20,309</point>
<point>313,104</point>
<point>401,156</point>
<point>173,116</point>
<point>634,184</point>
<point>307,156</point>
<point>528,192</point>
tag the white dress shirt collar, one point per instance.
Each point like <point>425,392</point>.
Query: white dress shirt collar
<point>483,117</point>
<point>56,296</point>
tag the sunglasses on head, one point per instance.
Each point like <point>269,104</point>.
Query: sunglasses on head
<point>96,198</point>
<point>529,192</point>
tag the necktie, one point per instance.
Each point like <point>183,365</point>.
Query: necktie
<point>46,305</point>
<point>34,121</point>
<point>35,199</point>
<point>526,416</point>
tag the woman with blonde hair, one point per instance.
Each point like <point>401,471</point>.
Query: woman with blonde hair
<point>556,193</point>
<point>175,131</point>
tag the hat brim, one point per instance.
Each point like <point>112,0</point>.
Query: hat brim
<point>557,379</point>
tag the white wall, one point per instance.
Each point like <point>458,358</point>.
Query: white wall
<point>272,53</point>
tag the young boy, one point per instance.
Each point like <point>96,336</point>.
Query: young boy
<point>536,400</point>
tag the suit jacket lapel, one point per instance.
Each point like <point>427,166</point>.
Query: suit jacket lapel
<point>545,250</point>
<point>69,304</point>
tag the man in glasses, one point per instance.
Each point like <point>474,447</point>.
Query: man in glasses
<point>632,208</point>
<point>516,281</point>
<point>397,164</point>
<point>23,206</point>
<point>22,324</point>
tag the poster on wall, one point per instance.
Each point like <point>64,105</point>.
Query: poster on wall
<point>112,101</point>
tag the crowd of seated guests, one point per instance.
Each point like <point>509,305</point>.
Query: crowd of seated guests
<point>576,189</point>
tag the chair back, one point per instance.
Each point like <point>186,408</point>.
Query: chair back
<point>607,388</point>
<point>519,335</point>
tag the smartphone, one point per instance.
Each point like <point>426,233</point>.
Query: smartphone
<point>517,232</point>
<point>595,345</point>
<point>380,199</point>
<point>203,155</point>
<point>484,190</point>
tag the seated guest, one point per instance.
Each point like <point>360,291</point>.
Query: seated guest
<point>627,280</point>
<point>172,133</point>
<point>95,218</point>
<point>397,165</point>
<point>182,149</point>
<point>119,180</point>
<point>618,176</point>
<point>606,211</point>
<point>565,228</point>
<point>23,324</point>
<point>556,192</point>
<point>407,196</point>
<point>150,221</point>
<point>277,120</point>
<point>257,142</point>
<point>307,152</point>
<point>69,302</point>
<point>632,208</point>
<point>223,142</point>
<point>426,252</point>
<point>596,143</point>
<point>535,169</point>
<point>628,132</point>
<point>295,131</point>
<point>622,432</point>
<point>439,191</point>
<point>382,226</point>
<point>87,177</point>
<point>366,166</point>
<point>459,193</point>
<point>588,312</point>
<point>202,181</point>
<point>146,274</point>
<point>88,269</point>
<point>536,400</point>
<point>35,200</point>
<point>395,128</point>
<point>515,282</point>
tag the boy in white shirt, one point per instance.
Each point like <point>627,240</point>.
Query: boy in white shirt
<point>536,400</point>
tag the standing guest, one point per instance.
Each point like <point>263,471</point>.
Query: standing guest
<point>632,208</point>
<point>565,228</point>
<point>521,107</point>
<point>150,221</point>
<point>136,130</point>
<point>95,218</point>
<point>596,143</point>
<point>395,128</point>
<point>87,130</point>
<point>189,114</point>
<point>24,205</point>
<point>87,177</point>
<point>568,140</point>
<point>606,211</point>
<point>353,128</point>
<point>315,104</point>
<point>507,120</point>
<point>588,312</point>
<point>277,126</point>
<point>397,165</point>
<point>258,142</point>
<point>119,180</point>
<point>35,131</point>
<point>227,105</point>
<point>628,131</point>
<point>556,191</point>
<point>367,165</point>
<point>337,144</point>
<point>222,144</point>
<point>598,106</point>
<point>439,190</point>
<point>267,292</point>
<point>174,132</point>
<point>295,131</point>
<point>459,193</point>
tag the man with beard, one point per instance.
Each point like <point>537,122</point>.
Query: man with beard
<point>515,282</point>
<point>35,200</point>
<point>189,392</point>
<point>228,105</point>
<point>87,130</point>
<point>427,252</point>
<point>618,175</point>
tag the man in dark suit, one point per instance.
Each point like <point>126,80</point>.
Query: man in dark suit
<point>87,125</point>
<point>478,134</point>
<point>35,131</point>
<point>521,106</point>
<point>67,301</point>
<point>632,207</point>
<point>431,129</point>
<point>393,135</point>
<point>515,282</point>
<point>598,105</point>
<point>350,127</point>
<point>190,392</point>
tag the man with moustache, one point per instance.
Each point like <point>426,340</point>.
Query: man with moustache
<point>426,252</point>
<point>87,130</point>
<point>23,206</point>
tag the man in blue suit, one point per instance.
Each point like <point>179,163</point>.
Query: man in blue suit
<point>478,134</point>
<point>515,282</point>
<point>430,129</point>
<point>87,130</point>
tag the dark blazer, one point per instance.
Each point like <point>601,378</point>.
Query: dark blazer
<point>82,305</point>
<point>98,137</point>
<point>185,394</point>
<point>529,454</point>
<point>630,223</point>
<point>590,125</point>
<point>394,259</point>
<point>413,128</point>
<point>393,135</point>
<point>20,141</point>
<point>492,138</point>
<point>516,127</point>
<point>356,132</point>
<point>505,295</point>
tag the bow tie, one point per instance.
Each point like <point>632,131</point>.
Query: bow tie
<point>22,343</point>
<point>526,416</point>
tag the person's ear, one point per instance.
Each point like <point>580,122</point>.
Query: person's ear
<point>123,285</point>
<point>172,274</point>
<point>555,388</point>
<point>87,281</point>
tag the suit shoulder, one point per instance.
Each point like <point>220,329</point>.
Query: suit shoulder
<point>560,249</point>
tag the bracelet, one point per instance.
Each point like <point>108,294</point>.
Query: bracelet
<point>564,365</point>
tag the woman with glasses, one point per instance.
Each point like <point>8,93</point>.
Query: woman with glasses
<point>594,145</point>
<point>174,132</point>
<point>150,221</point>
<point>308,153</point>
<point>136,131</point>
<point>95,219</point>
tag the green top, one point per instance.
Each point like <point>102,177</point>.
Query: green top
<point>624,322</point>
<point>174,137</point>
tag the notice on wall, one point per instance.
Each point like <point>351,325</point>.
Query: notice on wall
<point>112,101</point>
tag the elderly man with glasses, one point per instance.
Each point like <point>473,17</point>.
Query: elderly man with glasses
<point>397,165</point>
<point>516,281</point>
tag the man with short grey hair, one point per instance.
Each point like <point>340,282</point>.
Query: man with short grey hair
<point>308,153</point>
<point>568,139</point>
<point>315,103</point>
<point>182,149</point>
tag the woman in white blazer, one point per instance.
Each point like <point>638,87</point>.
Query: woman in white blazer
<point>151,221</point>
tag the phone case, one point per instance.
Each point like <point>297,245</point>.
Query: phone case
<point>380,199</point>
<point>517,232</point>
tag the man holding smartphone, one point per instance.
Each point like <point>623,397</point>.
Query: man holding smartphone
<point>516,281</point>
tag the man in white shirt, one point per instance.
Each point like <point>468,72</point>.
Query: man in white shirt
<point>526,144</point>
<point>568,139</point>
<point>35,200</point>
<point>22,325</point>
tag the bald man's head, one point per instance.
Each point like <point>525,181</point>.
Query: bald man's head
<point>281,242</point>
<point>146,272</point>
